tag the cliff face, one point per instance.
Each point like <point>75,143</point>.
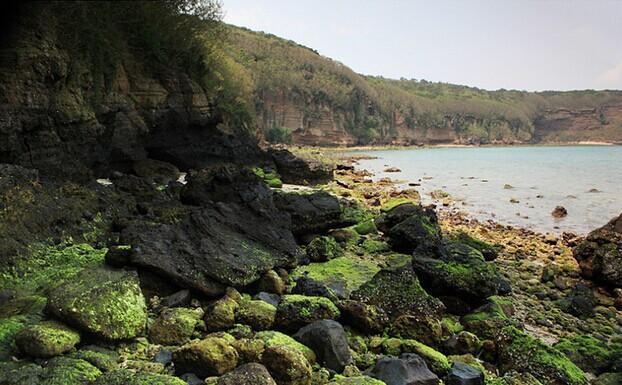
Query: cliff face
<point>59,115</point>
<point>603,124</point>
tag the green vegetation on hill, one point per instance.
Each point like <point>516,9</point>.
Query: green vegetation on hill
<point>379,110</point>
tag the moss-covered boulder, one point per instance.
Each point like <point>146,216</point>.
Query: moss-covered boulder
<point>248,374</point>
<point>64,370</point>
<point>103,359</point>
<point>489,318</point>
<point>212,356</point>
<point>436,361</point>
<point>249,349</point>
<point>105,302</point>
<point>323,248</point>
<point>296,311</point>
<point>271,282</point>
<point>589,353</point>
<point>420,327</point>
<point>488,250</point>
<point>287,365</point>
<point>273,338</point>
<point>462,272</point>
<point>129,377</point>
<point>522,353</point>
<point>365,227</point>
<point>397,291</point>
<point>415,229</point>
<point>46,339</point>
<point>15,315</point>
<point>368,319</point>
<point>341,275</point>
<point>174,326</point>
<point>463,343</point>
<point>221,314</point>
<point>257,314</point>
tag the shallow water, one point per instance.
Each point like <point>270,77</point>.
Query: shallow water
<point>541,177</point>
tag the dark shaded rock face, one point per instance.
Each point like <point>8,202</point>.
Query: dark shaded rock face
<point>412,228</point>
<point>231,240</point>
<point>248,374</point>
<point>297,171</point>
<point>329,342</point>
<point>579,302</point>
<point>462,272</point>
<point>408,369</point>
<point>463,374</point>
<point>600,254</point>
<point>311,213</point>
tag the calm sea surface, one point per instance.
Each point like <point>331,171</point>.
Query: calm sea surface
<point>541,177</point>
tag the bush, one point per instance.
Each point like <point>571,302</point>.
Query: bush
<point>279,135</point>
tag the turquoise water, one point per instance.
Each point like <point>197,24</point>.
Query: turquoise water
<point>541,177</point>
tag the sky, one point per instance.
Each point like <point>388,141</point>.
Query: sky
<point>529,45</point>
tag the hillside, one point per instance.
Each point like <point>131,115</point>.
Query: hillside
<point>314,100</point>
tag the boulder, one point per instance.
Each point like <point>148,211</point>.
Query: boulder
<point>220,315</point>
<point>396,215</point>
<point>101,301</point>
<point>408,369</point>
<point>129,377</point>
<point>396,290</point>
<point>47,339</point>
<point>559,212</point>
<point>520,352</point>
<point>600,254</point>
<point>296,311</point>
<point>580,302</point>
<point>271,298</point>
<point>177,299</point>
<point>212,356</point>
<point>274,338</point>
<point>462,272</point>
<point>418,232</point>
<point>369,319</point>
<point>463,343</point>
<point>229,235</point>
<point>356,380</point>
<point>323,248</point>
<point>257,314</point>
<point>329,342</point>
<point>491,317</point>
<point>295,170</point>
<point>271,282</point>
<point>311,213</point>
<point>174,326</point>
<point>287,365</point>
<point>65,370</point>
<point>463,374</point>
<point>248,374</point>
<point>312,288</point>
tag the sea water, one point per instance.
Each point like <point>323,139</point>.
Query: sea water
<point>586,180</point>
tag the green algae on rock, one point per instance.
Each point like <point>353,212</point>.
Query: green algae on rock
<point>102,301</point>
<point>287,365</point>
<point>589,353</point>
<point>357,380</point>
<point>257,314</point>
<point>64,370</point>
<point>16,315</point>
<point>46,339</point>
<point>323,248</point>
<point>129,377</point>
<point>520,352</point>
<point>489,318</point>
<point>274,338</point>
<point>174,326</point>
<point>212,356</point>
<point>295,311</point>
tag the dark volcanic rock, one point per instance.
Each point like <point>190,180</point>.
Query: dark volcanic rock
<point>409,369</point>
<point>600,254</point>
<point>235,236</point>
<point>579,302</point>
<point>396,215</point>
<point>461,271</point>
<point>311,213</point>
<point>418,232</point>
<point>463,374</point>
<point>329,342</point>
<point>295,170</point>
<point>248,374</point>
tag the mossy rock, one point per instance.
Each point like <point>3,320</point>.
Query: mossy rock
<point>105,302</point>
<point>420,327</point>
<point>393,203</point>
<point>64,371</point>
<point>221,314</point>
<point>397,291</point>
<point>248,374</point>
<point>212,356</point>
<point>357,380</point>
<point>257,314</point>
<point>15,316</point>
<point>274,338</point>
<point>373,246</point>
<point>174,326</point>
<point>488,250</point>
<point>523,353</point>
<point>323,248</point>
<point>342,275</point>
<point>249,349</point>
<point>589,353</point>
<point>460,272</point>
<point>46,339</point>
<point>20,373</point>
<point>366,227</point>
<point>436,361</point>
<point>129,377</point>
<point>287,365</point>
<point>608,379</point>
<point>489,318</point>
<point>103,359</point>
<point>295,311</point>
<point>513,378</point>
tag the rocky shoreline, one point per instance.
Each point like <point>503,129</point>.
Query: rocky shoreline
<point>238,276</point>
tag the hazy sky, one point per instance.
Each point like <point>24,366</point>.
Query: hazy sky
<point>519,44</point>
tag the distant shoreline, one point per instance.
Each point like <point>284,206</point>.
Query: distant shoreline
<point>445,145</point>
